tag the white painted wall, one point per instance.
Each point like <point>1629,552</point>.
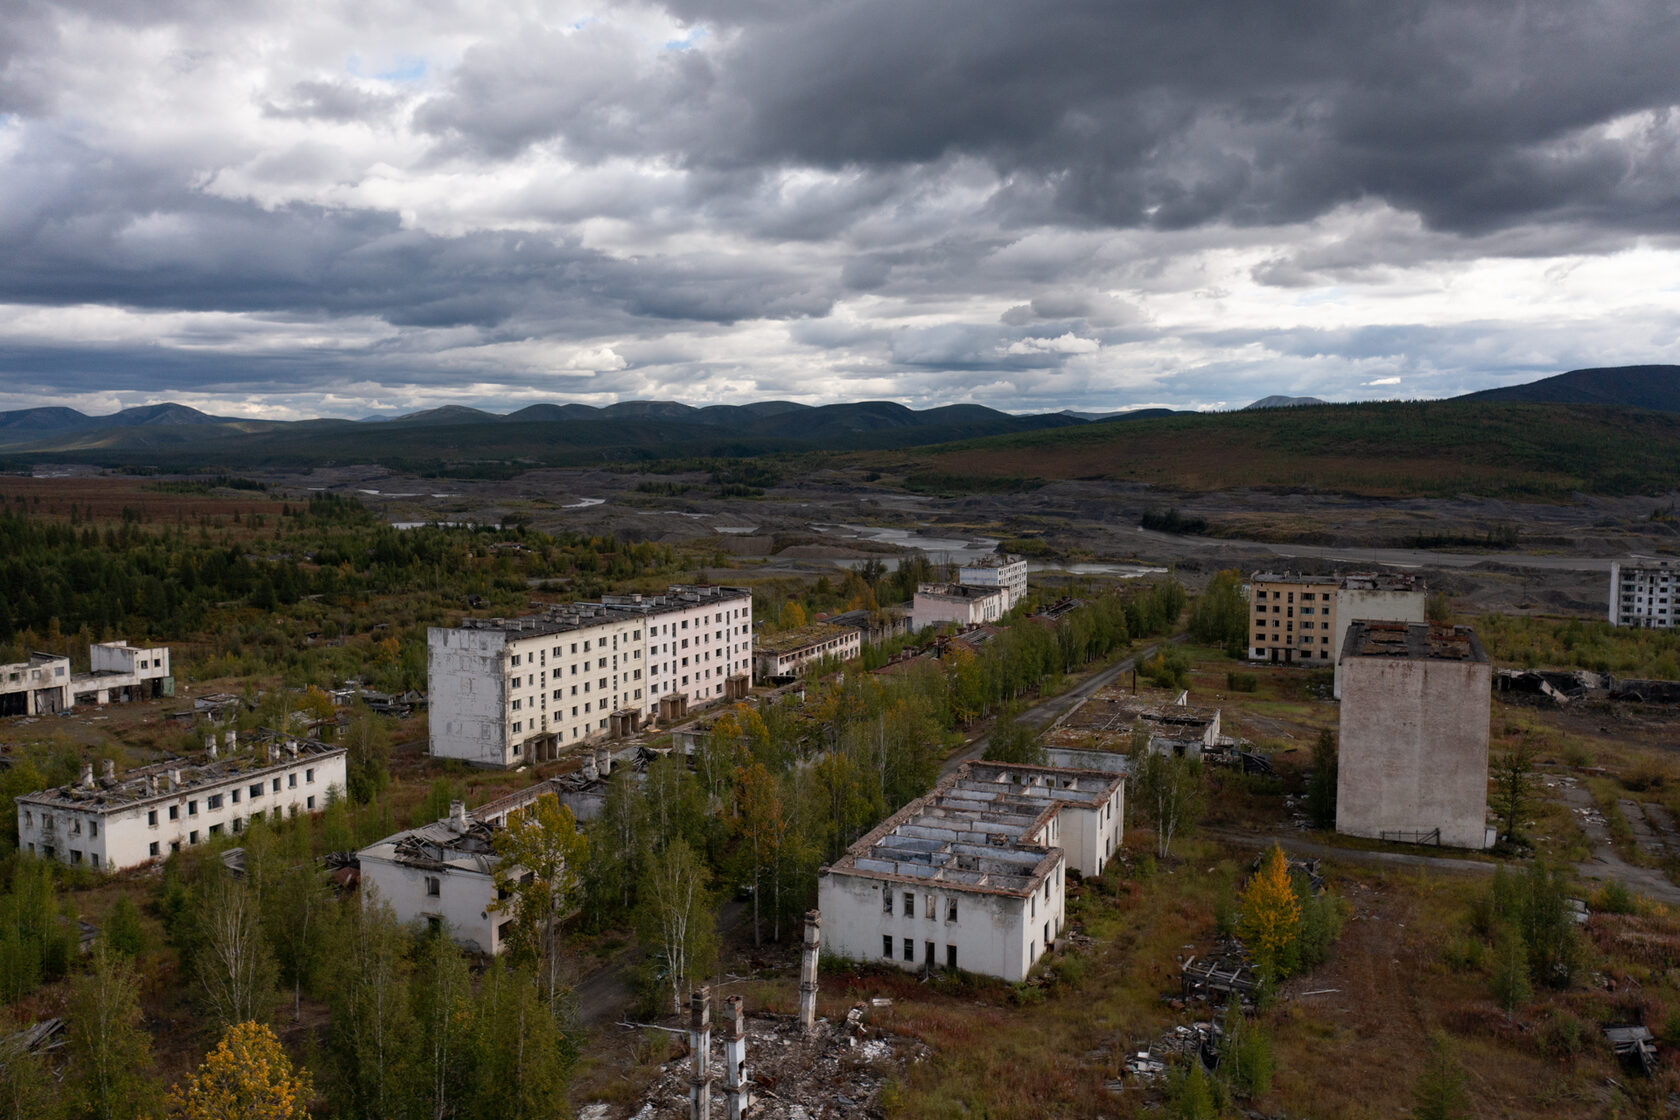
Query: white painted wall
<point>462,902</point>
<point>136,832</point>
<point>466,695</point>
<point>995,934</point>
<point>931,608</point>
<point>1010,575</point>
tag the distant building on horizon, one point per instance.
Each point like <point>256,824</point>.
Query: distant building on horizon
<point>1645,593</point>
<point>997,570</point>
<point>1302,619</point>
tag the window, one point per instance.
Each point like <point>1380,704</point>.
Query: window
<point>950,956</point>
<point>236,797</point>
<point>151,821</point>
<point>257,790</point>
<point>927,954</point>
<point>277,785</point>
<point>886,945</point>
<point>434,886</point>
<point>514,661</point>
<point>174,812</point>
<point>291,782</point>
<point>239,824</point>
<point>153,850</point>
<point>951,910</point>
<point>886,902</point>
<point>192,837</point>
<point>213,802</point>
<point>215,830</point>
<point>309,775</point>
<point>311,803</point>
<point>909,905</point>
<point>909,950</point>
<point>192,808</point>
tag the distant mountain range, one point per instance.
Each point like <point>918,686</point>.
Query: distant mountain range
<point>453,437</point>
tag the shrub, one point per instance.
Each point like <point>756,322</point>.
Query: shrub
<point>1241,682</point>
<point>1563,1035</point>
<point>1614,898</point>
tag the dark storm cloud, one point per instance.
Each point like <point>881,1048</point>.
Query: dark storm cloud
<point>1162,114</point>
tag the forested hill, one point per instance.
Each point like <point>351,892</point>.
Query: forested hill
<point>1394,449</point>
<point>1656,387</point>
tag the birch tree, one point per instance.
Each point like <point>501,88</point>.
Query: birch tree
<point>233,964</point>
<point>540,854</point>
<point>676,920</point>
<point>369,1024</point>
<point>109,1049</point>
<point>760,826</point>
<point>1168,791</point>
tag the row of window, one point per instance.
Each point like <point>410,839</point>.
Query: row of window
<point>910,951</point>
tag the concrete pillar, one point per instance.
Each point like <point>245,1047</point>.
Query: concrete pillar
<point>210,744</point>
<point>603,762</point>
<point>230,740</point>
<point>735,1090</point>
<point>110,770</point>
<point>808,970</point>
<point>589,771</point>
<point>87,775</point>
<point>700,1045</point>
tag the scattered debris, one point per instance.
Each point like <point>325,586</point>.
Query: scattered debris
<point>1634,1045</point>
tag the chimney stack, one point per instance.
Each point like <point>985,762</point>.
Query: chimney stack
<point>174,780</point>
<point>457,816</point>
<point>109,769</point>
<point>87,775</point>
<point>735,1082</point>
<point>603,761</point>
<point>700,1046</point>
<point>210,744</point>
<point>809,954</point>
<point>230,740</point>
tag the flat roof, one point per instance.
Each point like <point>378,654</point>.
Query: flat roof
<point>1381,581</point>
<point>564,618</point>
<point>809,635</point>
<point>957,590</point>
<point>134,787</point>
<point>1413,641</point>
<point>994,560</point>
<point>969,833</point>
<point>1292,577</point>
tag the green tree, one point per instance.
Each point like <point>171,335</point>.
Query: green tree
<point>520,1057</point>
<point>27,1089</point>
<point>369,1029</point>
<point>760,829</point>
<point>1511,786</point>
<point>442,1015</point>
<point>1441,1091</point>
<point>1510,971</point>
<point>367,754</point>
<point>540,854</point>
<point>232,964</point>
<point>675,920</point>
<point>1191,1095</point>
<point>123,930</point>
<point>1321,787</point>
<point>1220,615</point>
<point>1013,741</point>
<point>110,1050</point>
<point>1167,791</point>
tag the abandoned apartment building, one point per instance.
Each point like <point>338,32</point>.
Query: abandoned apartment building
<point>959,604</point>
<point>1645,593</point>
<point>1097,733</point>
<point>1414,734</point>
<point>504,692</point>
<point>972,875</point>
<point>442,874</point>
<point>114,822</point>
<point>44,685</point>
<point>1301,619</point>
<point>997,570</point>
<point>779,658</point>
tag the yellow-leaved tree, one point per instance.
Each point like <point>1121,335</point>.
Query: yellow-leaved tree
<point>1270,924</point>
<point>246,1077</point>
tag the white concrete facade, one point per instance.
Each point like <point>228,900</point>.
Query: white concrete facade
<point>1366,598</point>
<point>441,873</point>
<point>1007,572</point>
<point>37,687</point>
<point>785,655</point>
<point>503,692</point>
<point>113,823</point>
<point>1645,592</point>
<point>937,603</point>
<point>124,671</point>
<point>973,875</point>
<point>1413,755</point>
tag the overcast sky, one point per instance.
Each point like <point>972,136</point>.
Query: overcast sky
<point>292,209</point>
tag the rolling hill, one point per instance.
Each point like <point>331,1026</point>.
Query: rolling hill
<point>1655,387</point>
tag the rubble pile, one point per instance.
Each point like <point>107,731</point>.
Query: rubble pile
<point>836,1071</point>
